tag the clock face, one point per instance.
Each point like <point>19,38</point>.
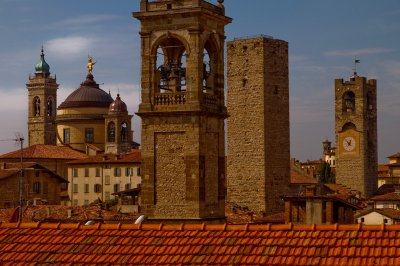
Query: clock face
<point>349,143</point>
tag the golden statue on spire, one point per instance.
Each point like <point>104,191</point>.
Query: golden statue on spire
<point>90,64</point>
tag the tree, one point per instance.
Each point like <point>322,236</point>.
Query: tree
<point>325,174</point>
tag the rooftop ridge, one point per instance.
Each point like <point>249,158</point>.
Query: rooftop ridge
<point>203,227</point>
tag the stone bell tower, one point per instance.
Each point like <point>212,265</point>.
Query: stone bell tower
<point>356,134</point>
<point>42,103</point>
<point>182,110</point>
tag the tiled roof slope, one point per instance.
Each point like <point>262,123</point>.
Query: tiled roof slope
<point>392,196</point>
<point>45,152</point>
<point>134,156</point>
<point>199,244</point>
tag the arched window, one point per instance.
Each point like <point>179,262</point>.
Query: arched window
<point>36,106</point>
<point>348,125</point>
<point>111,132</point>
<point>349,104</point>
<point>171,65</point>
<point>49,106</point>
<point>124,132</point>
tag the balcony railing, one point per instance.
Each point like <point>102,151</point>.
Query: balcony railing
<point>170,98</point>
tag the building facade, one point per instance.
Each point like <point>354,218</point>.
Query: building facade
<point>356,134</point>
<point>258,167</point>
<point>182,109</point>
<point>98,177</point>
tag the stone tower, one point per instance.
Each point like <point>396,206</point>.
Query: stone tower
<point>258,168</point>
<point>356,134</point>
<point>182,110</point>
<point>118,128</point>
<point>42,103</point>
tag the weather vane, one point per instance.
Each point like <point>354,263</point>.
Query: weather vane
<point>356,61</point>
<point>90,64</point>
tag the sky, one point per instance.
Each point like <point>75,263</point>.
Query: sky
<point>324,38</point>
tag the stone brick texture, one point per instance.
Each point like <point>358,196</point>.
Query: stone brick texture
<point>358,172</point>
<point>258,167</point>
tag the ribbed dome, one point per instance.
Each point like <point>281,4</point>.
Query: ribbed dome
<point>42,66</point>
<point>118,106</point>
<point>88,94</point>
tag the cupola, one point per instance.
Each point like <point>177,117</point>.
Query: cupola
<point>42,67</point>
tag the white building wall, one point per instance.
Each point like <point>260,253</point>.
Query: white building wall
<point>374,218</point>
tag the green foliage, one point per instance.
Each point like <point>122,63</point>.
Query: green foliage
<point>325,174</point>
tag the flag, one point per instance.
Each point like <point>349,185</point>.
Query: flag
<point>356,61</point>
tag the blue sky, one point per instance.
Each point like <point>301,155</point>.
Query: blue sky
<point>324,37</point>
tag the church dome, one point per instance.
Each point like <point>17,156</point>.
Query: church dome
<point>118,106</point>
<point>88,94</point>
<point>42,66</point>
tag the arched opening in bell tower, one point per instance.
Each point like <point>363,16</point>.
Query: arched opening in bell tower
<point>349,104</point>
<point>210,66</point>
<point>170,66</point>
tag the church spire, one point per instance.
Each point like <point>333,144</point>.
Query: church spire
<point>42,67</point>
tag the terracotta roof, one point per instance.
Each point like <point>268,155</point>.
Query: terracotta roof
<point>386,188</point>
<point>392,196</point>
<point>298,178</point>
<point>388,212</point>
<point>45,152</point>
<point>132,157</point>
<point>198,244</point>
<point>397,155</point>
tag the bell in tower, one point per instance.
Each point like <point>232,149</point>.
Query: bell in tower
<point>182,110</point>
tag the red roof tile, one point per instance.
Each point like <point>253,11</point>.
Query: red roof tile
<point>132,157</point>
<point>45,152</point>
<point>392,196</point>
<point>153,244</point>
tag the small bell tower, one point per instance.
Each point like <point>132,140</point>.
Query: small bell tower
<point>182,110</point>
<point>42,103</point>
<point>118,128</point>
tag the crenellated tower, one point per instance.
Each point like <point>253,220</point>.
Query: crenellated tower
<point>42,103</point>
<point>182,109</point>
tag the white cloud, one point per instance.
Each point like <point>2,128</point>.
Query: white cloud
<point>82,20</point>
<point>69,46</point>
<point>354,52</point>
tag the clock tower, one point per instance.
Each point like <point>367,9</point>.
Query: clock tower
<point>356,133</point>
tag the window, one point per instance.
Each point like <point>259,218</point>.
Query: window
<point>36,106</point>
<point>362,219</point>
<point>107,195</point>
<point>117,171</point>
<point>86,172</point>
<point>385,221</point>
<point>75,188</point>
<point>75,172</point>
<point>97,188</point>
<point>45,188</point>
<point>116,188</point>
<point>67,135</point>
<point>128,171</point>
<point>107,180</point>
<point>97,172</point>
<point>349,101</point>
<point>138,171</point>
<point>75,202</point>
<point>50,106</point>
<point>89,135</point>
<point>124,132</point>
<point>86,188</point>
<point>36,187</point>
<point>86,202</point>
<point>111,132</point>
<point>127,186</point>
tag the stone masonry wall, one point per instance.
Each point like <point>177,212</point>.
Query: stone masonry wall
<point>258,167</point>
